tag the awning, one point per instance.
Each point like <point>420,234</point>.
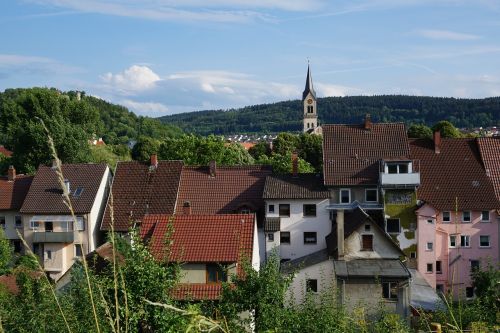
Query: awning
<point>52,218</point>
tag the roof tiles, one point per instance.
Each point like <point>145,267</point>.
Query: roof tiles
<point>301,186</point>
<point>12,193</point>
<point>490,154</point>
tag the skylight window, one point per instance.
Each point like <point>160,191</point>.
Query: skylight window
<point>78,192</point>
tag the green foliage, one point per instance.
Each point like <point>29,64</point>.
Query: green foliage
<point>447,129</point>
<point>6,253</point>
<point>419,131</point>
<point>287,116</point>
<point>144,148</point>
<point>197,150</point>
<point>260,149</point>
<point>109,154</point>
<point>283,163</point>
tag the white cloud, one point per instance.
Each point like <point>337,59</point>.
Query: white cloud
<point>146,108</point>
<point>132,80</point>
<point>330,90</point>
<point>446,35</point>
<point>35,65</point>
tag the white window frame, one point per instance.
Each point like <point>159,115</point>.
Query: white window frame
<point>455,241</point>
<point>34,225</point>
<point>482,216</point>
<point>427,267</point>
<point>466,239</point>
<point>270,237</point>
<point>429,248</point>
<point>463,216</point>
<point>80,246</point>
<point>376,194</point>
<point>340,195</point>
<point>269,208</point>
<point>449,216</point>
<point>390,285</point>
<point>48,254</point>
<point>80,223</point>
<point>489,241</point>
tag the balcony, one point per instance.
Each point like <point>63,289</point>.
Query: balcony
<point>399,174</point>
<point>54,237</point>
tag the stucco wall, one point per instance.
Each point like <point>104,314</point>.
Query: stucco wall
<point>382,247</point>
<point>96,213</point>
<point>10,224</point>
<point>322,272</point>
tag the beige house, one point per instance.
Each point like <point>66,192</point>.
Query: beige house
<point>49,228</point>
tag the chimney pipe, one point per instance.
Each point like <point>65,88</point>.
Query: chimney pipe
<point>340,234</point>
<point>213,168</point>
<point>295,164</point>
<point>368,122</point>
<point>154,160</point>
<point>437,142</point>
<point>186,208</point>
<point>11,173</point>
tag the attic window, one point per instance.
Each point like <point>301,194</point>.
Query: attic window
<point>78,192</point>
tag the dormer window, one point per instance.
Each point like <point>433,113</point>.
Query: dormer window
<point>399,167</point>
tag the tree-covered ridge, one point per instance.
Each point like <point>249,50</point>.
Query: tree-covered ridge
<point>287,115</point>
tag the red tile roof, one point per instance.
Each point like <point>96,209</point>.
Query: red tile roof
<point>232,188</point>
<point>197,291</point>
<point>9,284</point>
<point>45,193</point>
<point>4,151</point>
<point>490,154</point>
<point>454,176</point>
<point>12,193</point>
<point>351,153</point>
<point>139,189</point>
<point>225,238</point>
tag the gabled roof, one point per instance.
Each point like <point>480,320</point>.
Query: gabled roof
<point>490,154</point>
<point>12,193</point>
<point>4,151</point>
<point>454,178</point>
<point>301,186</point>
<point>225,238</point>
<point>231,189</point>
<point>351,153</point>
<point>309,85</point>
<point>45,193</point>
<point>139,189</point>
<point>196,291</point>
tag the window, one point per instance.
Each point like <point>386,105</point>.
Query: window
<point>48,255</point>
<point>345,196</point>
<point>440,289</point>
<point>80,223</point>
<point>430,221</point>
<point>367,227</point>
<point>392,168</point>
<point>78,250</point>
<point>310,238</point>
<point>366,242</point>
<point>36,248</point>
<point>310,109</point>
<point>2,222</point>
<point>474,265</point>
<point>469,292</point>
<point>312,285</point>
<point>439,269</point>
<point>34,225</point>
<point>413,255</point>
<point>403,168</point>
<point>429,268</point>
<point>216,273</point>
<point>49,226</point>
<point>309,210</point>
<point>78,192</point>
<point>390,290</point>
<point>446,217</point>
<point>453,241</point>
<point>270,237</point>
<point>485,215</point>
<point>429,246</point>
<point>285,237</point>
<point>19,221</point>
<point>484,241</point>
<point>393,226</point>
<point>465,241</point>
<point>17,245</point>
<point>466,216</point>
<point>284,209</point>
<point>371,195</point>
<point>270,208</point>
<point>397,167</point>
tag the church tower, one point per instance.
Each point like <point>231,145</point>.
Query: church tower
<point>309,103</point>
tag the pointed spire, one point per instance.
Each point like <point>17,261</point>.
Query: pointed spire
<point>309,84</point>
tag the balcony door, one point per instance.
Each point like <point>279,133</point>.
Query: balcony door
<point>49,227</point>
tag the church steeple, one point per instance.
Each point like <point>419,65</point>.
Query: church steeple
<point>309,103</point>
<point>309,84</point>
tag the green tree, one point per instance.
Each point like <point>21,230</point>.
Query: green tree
<point>419,131</point>
<point>283,163</point>
<point>447,129</point>
<point>261,148</point>
<point>144,148</point>
<point>6,253</point>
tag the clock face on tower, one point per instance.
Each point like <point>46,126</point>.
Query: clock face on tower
<point>309,101</point>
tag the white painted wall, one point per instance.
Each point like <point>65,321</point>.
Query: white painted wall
<point>256,258</point>
<point>382,247</point>
<point>95,216</point>
<point>323,272</point>
<point>297,224</point>
<point>10,224</point>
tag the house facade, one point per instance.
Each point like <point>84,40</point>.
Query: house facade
<point>13,190</point>
<point>458,222</point>
<point>53,233</point>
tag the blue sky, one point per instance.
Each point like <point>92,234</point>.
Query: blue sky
<point>160,57</point>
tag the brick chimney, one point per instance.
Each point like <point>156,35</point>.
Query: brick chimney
<point>295,164</point>
<point>213,168</point>
<point>186,208</point>
<point>154,160</point>
<point>11,173</point>
<point>368,122</point>
<point>437,142</point>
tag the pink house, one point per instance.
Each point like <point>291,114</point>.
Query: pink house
<point>457,220</point>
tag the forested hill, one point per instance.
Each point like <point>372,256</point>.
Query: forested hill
<point>287,116</point>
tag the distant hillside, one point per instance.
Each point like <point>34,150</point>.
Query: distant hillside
<point>286,116</point>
